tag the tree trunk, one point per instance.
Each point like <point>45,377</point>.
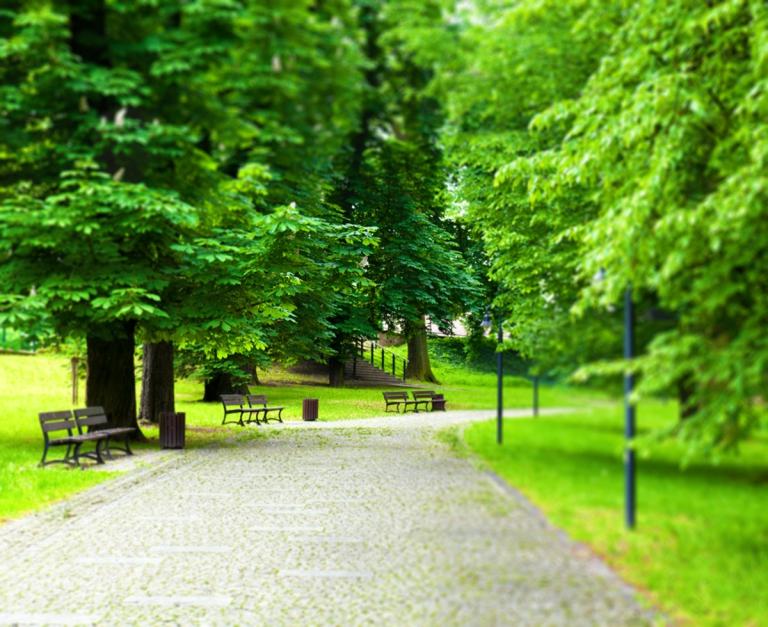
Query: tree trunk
<point>111,380</point>
<point>418,356</point>
<point>685,391</point>
<point>335,372</point>
<point>157,385</point>
<point>221,383</point>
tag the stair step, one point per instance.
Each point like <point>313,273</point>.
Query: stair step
<point>364,371</point>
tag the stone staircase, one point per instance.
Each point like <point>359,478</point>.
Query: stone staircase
<point>365,373</point>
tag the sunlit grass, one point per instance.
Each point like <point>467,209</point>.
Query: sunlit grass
<point>30,384</point>
<point>701,545</point>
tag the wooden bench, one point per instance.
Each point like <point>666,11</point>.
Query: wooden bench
<point>59,421</point>
<point>235,404</point>
<point>394,398</point>
<point>398,399</point>
<point>258,404</point>
<point>422,397</point>
<point>430,398</point>
<point>95,420</point>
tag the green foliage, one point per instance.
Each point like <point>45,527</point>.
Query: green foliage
<point>151,161</point>
<point>394,177</point>
<point>629,138</point>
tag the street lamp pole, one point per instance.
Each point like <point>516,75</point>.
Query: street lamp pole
<point>499,383</point>
<point>629,411</point>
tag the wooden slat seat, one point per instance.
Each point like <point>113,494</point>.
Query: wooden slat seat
<point>95,420</point>
<point>430,399</point>
<point>236,404</point>
<point>58,421</point>
<point>422,397</point>
<point>398,399</point>
<point>258,403</point>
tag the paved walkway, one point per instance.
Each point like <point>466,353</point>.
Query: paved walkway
<point>309,527</point>
<point>413,420</point>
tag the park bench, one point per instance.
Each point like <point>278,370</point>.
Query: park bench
<point>235,404</point>
<point>398,399</point>
<point>258,404</point>
<point>423,397</point>
<point>95,420</point>
<point>59,421</point>
<point>431,399</point>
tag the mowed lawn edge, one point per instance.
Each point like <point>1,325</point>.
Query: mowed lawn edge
<point>700,549</point>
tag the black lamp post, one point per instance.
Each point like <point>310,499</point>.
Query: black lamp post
<point>499,377</point>
<point>630,479</point>
<point>629,411</point>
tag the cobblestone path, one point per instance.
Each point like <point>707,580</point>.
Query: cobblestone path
<point>312,527</point>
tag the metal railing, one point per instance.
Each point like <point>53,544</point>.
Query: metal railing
<point>379,357</point>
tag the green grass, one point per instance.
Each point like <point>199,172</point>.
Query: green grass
<point>700,549</point>
<point>28,385</point>
<point>31,384</point>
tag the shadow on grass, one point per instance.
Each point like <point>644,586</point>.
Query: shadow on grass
<point>722,474</point>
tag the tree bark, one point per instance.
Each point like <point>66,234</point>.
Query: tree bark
<point>418,356</point>
<point>111,380</point>
<point>157,385</point>
<point>335,372</point>
<point>222,383</point>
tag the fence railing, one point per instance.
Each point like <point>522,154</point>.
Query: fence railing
<point>379,357</point>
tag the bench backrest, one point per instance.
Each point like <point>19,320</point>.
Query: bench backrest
<point>56,421</point>
<point>257,399</point>
<point>423,394</point>
<point>230,400</point>
<point>90,417</point>
<point>395,396</point>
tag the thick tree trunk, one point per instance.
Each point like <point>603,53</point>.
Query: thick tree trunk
<point>221,383</point>
<point>335,372</point>
<point>418,356</point>
<point>111,380</point>
<point>157,385</point>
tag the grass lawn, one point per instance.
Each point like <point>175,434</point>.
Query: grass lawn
<point>33,383</point>
<point>28,385</point>
<point>701,548</point>
<point>701,545</point>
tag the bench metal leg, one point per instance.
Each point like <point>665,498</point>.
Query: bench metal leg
<point>76,454</point>
<point>67,459</point>
<point>125,448</point>
<point>94,454</point>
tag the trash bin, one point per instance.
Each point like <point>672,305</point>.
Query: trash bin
<point>172,427</point>
<point>438,402</point>
<point>309,408</point>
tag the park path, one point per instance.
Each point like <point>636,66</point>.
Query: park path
<point>307,527</point>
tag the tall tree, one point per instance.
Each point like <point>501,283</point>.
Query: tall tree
<point>132,165</point>
<point>630,146</point>
<point>393,178</point>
